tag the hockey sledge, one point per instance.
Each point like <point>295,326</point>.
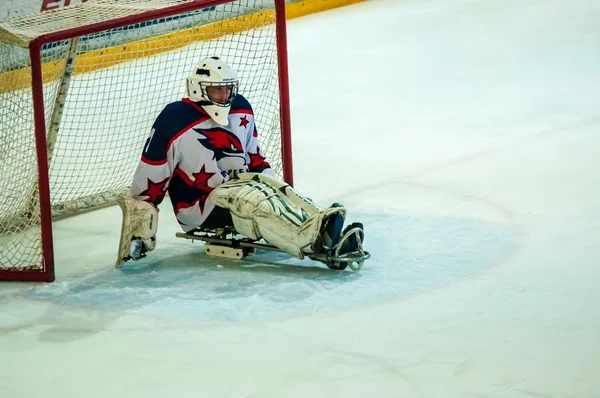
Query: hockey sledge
<point>227,243</point>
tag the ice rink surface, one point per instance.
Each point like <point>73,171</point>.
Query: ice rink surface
<point>464,134</point>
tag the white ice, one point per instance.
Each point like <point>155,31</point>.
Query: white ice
<point>465,134</point>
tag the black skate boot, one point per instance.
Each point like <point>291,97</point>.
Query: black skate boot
<point>350,238</point>
<point>331,230</point>
<point>339,249</point>
<point>349,244</point>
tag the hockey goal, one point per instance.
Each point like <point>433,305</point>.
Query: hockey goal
<point>81,86</point>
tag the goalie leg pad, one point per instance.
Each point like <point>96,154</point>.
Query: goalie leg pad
<point>140,222</point>
<point>285,189</point>
<point>260,208</point>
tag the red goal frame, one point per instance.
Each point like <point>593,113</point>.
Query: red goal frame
<point>47,273</point>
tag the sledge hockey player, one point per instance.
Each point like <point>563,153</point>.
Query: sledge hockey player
<point>204,150</point>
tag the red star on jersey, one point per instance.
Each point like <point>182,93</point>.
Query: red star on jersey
<point>155,191</point>
<point>201,179</point>
<point>257,162</point>
<point>244,121</point>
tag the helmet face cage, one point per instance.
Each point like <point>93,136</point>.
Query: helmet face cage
<point>234,88</point>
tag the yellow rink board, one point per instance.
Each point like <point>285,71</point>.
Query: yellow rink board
<point>104,58</point>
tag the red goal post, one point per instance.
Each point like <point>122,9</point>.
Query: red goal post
<point>81,86</point>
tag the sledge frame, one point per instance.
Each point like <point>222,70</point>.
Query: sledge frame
<point>226,242</point>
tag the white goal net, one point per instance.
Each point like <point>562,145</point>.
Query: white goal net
<point>101,93</point>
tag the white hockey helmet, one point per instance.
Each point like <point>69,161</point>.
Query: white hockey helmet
<point>213,84</point>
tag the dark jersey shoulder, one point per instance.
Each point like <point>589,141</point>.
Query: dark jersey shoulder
<point>240,103</point>
<point>175,118</point>
<point>178,116</point>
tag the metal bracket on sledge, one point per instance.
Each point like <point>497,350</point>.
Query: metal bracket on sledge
<point>235,253</point>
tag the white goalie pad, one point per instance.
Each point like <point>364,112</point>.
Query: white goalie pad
<point>264,207</point>
<point>140,222</point>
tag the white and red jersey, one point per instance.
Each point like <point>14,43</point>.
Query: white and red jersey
<point>188,155</point>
